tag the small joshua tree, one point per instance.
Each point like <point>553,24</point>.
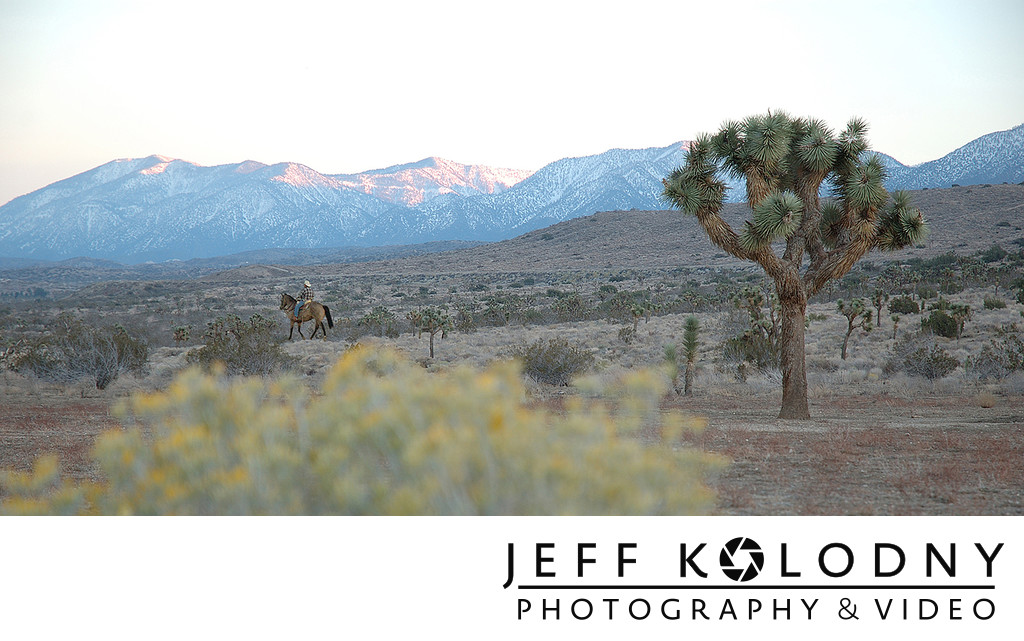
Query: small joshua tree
<point>379,319</point>
<point>879,299</point>
<point>182,333</point>
<point>856,316</point>
<point>432,320</point>
<point>895,324</point>
<point>801,242</point>
<point>690,345</point>
<point>961,314</point>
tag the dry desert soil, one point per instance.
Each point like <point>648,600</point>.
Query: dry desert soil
<point>858,455</point>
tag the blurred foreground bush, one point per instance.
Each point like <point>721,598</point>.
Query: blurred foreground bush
<point>385,437</point>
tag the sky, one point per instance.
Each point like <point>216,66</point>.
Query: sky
<point>345,86</point>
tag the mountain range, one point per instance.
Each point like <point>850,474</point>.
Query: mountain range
<point>159,208</point>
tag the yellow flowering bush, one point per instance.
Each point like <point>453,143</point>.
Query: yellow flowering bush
<point>385,436</point>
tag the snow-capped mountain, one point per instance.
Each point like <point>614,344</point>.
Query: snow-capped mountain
<point>158,208</point>
<point>418,182</point>
<point>994,158</point>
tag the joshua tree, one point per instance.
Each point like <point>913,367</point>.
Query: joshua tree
<point>785,161</point>
<point>690,331</point>
<point>879,299</point>
<point>856,316</point>
<point>961,314</point>
<point>379,317</point>
<point>431,320</point>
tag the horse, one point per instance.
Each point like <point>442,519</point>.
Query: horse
<point>311,311</point>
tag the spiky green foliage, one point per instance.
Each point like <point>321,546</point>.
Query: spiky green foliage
<point>783,158</point>
<point>691,330</point>
<point>775,217</point>
<point>901,224</point>
<point>690,344</point>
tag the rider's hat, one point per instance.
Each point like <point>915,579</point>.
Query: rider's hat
<point>306,283</point>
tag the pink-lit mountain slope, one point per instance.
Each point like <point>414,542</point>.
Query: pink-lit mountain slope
<point>419,182</point>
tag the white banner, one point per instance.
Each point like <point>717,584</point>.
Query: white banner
<point>512,578</point>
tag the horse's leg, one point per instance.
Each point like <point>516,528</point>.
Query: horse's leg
<point>291,328</point>
<point>299,323</point>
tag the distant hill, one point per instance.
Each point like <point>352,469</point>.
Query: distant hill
<point>965,220</point>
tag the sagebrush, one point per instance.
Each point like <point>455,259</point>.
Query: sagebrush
<point>384,437</point>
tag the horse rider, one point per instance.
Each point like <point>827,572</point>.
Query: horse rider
<point>305,296</point>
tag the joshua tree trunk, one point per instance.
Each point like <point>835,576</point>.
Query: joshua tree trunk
<point>793,359</point>
<point>688,380</point>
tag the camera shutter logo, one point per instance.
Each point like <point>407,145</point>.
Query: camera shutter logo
<point>741,559</point>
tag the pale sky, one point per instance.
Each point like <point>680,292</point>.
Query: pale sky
<point>349,86</point>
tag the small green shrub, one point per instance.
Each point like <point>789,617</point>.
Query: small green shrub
<point>554,361</point>
<point>932,364</point>
<point>754,348</point>
<point>994,303</point>
<point>571,307</point>
<point>940,323</point>
<point>243,348</point>
<point>993,254</point>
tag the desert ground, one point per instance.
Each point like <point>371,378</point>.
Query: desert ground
<point>877,443</point>
<point>883,439</point>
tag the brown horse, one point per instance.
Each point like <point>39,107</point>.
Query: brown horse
<point>311,311</point>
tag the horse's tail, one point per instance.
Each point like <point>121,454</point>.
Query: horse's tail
<point>327,312</point>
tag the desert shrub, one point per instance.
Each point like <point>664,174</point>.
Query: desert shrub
<point>625,305</point>
<point>72,350</point>
<point>243,348</point>
<point>932,364</point>
<point>554,361</point>
<point>921,356</point>
<point>627,334</point>
<point>385,438</point>
<point>998,359</point>
<point>940,323</point>
<point>571,307</point>
<point>903,305</point>
<point>754,348</point>
<point>994,303</point>
<point>379,320</point>
<point>464,320</point>
<point>993,254</point>
<point>502,309</point>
